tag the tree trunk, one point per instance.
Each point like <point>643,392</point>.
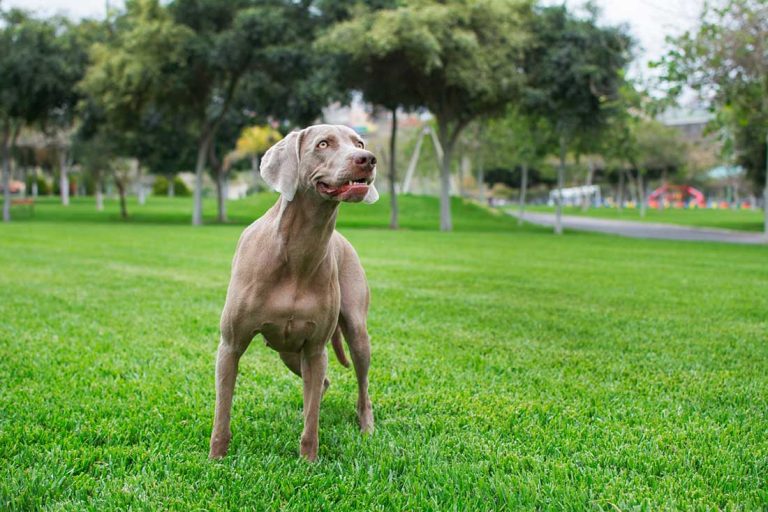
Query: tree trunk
<point>140,192</point>
<point>765,207</point>
<point>202,153</point>
<point>585,201</point>
<point>221,199</point>
<point>393,217</point>
<point>465,169</point>
<point>765,189</point>
<point>64,177</point>
<point>523,192</point>
<point>6,172</point>
<point>172,186</point>
<point>446,223</point>
<point>560,183</point>
<point>480,178</point>
<point>206,138</point>
<point>24,172</point>
<point>641,193</point>
<point>660,204</point>
<point>620,198</point>
<point>413,162</point>
<point>99,196</point>
<point>121,192</point>
<point>632,188</point>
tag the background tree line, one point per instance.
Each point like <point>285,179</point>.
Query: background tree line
<point>166,87</point>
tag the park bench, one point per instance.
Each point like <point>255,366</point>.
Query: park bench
<point>29,202</point>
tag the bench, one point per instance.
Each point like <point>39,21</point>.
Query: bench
<point>25,201</point>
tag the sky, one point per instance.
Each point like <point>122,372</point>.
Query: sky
<point>649,20</point>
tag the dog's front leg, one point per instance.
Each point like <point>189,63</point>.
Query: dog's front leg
<point>226,373</point>
<point>313,367</point>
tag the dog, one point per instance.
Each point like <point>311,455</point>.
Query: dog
<point>298,282</point>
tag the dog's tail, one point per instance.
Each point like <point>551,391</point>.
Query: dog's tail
<point>338,347</point>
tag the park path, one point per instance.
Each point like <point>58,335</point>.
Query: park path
<point>646,229</point>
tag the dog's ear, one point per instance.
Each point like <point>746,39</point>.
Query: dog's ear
<point>280,165</point>
<point>372,196</point>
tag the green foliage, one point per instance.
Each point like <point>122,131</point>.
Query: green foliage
<point>724,60</point>
<point>657,148</point>
<point>33,68</point>
<point>384,54</point>
<point>575,70</point>
<point>160,187</point>
<point>130,70</point>
<point>460,60</point>
<point>511,371</point>
<point>516,138</point>
<point>43,187</point>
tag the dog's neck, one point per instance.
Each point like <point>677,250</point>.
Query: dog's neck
<point>304,228</point>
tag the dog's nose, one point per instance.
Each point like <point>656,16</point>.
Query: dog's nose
<point>364,159</point>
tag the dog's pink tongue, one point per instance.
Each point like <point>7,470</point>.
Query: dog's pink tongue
<point>352,193</point>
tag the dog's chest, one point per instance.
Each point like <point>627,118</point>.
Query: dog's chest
<point>292,315</point>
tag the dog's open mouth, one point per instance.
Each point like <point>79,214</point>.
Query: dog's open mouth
<point>353,190</point>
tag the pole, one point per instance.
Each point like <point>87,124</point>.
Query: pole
<point>765,189</point>
<point>560,185</point>
<point>414,161</point>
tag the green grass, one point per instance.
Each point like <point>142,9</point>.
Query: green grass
<point>418,212</point>
<point>742,220</point>
<point>511,370</point>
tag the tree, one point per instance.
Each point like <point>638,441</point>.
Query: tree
<point>461,59</point>
<point>34,82</point>
<point>724,60</point>
<point>517,139</point>
<point>95,155</point>
<point>386,78</point>
<point>575,70</point>
<point>237,45</point>
<point>166,145</point>
<point>655,150</point>
<point>128,80</point>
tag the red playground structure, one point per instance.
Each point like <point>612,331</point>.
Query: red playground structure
<point>676,196</point>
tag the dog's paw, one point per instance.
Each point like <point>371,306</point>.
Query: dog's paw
<point>365,417</point>
<point>308,449</point>
<point>219,446</point>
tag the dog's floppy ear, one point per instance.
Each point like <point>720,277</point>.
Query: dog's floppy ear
<point>280,165</point>
<point>372,196</point>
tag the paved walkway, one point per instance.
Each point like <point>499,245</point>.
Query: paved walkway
<point>646,229</point>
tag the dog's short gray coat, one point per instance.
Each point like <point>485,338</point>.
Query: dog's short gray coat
<point>297,281</point>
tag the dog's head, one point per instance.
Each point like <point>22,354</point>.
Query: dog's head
<point>328,160</point>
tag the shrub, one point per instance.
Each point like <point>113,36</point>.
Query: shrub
<point>160,187</point>
<point>43,187</point>
<point>180,189</point>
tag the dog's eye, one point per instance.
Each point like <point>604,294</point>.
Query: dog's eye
<point>322,144</point>
<point>360,144</point>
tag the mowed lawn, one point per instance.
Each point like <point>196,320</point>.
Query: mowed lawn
<point>512,369</point>
<point>741,220</point>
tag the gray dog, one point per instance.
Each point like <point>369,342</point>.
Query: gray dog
<point>297,281</point>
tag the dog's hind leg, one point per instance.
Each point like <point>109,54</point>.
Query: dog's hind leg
<point>356,334</point>
<point>352,319</point>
